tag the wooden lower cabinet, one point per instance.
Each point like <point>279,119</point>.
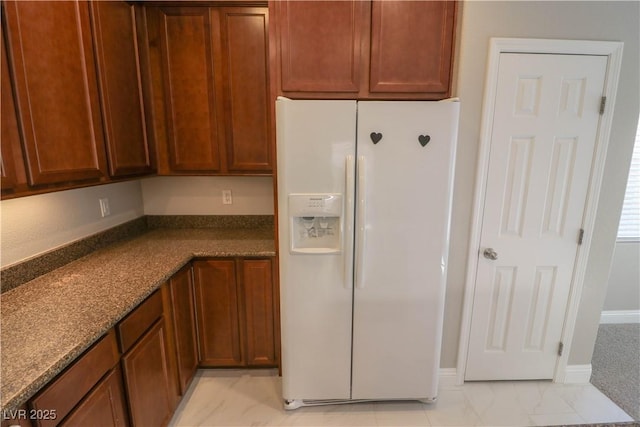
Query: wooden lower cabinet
<point>256,285</point>
<point>184,326</point>
<point>217,313</point>
<point>62,395</point>
<point>105,406</point>
<point>235,312</point>
<point>147,379</point>
<point>136,373</point>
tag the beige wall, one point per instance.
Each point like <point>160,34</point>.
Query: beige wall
<point>202,195</point>
<point>623,290</point>
<point>36,224</point>
<point>480,20</point>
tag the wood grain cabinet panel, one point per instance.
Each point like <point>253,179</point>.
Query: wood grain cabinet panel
<point>411,43</point>
<point>117,54</point>
<point>70,387</point>
<point>364,49</point>
<point>132,327</point>
<point>105,406</point>
<point>191,88</point>
<point>236,312</point>
<point>257,287</point>
<point>56,90</point>
<point>147,379</point>
<point>181,287</point>
<point>209,71</point>
<point>217,313</point>
<point>320,45</point>
<point>244,39</point>
<point>10,136</point>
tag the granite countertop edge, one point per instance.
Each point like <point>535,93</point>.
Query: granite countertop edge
<point>97,291</point>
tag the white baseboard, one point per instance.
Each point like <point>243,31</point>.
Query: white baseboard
<point>448,377</point>
<point>620,316</point>
<point>577,374</point>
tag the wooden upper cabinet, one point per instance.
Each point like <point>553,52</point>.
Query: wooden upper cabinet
<point>117,54</point>
<point>191,87</point>
<point>10,136</point>
<point>56,91</point>
<point>411,44</point>
<point>364,49</point>
<point>209,72</point>
<point>244,39</point>
<point>320,45</point>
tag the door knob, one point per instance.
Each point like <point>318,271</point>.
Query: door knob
<point>489,253</point>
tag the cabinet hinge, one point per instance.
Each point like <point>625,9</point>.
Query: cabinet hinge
<point>581,236</point>
<point>560,348</point>
<point>603,102</point>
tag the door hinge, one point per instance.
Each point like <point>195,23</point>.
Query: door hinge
<point>560,348</point>
<point>581,236</point>
<point>603,102</point>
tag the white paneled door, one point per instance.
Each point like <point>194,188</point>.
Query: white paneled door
<point>543,137</point>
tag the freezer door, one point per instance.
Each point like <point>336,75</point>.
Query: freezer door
<point>405,157</point>
<point>316,149</point>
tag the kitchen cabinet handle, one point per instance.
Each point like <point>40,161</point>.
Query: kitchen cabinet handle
<point>361,229</point>
<point>349,172</point>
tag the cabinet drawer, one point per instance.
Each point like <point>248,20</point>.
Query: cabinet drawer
<point>135,324</point>
<point>104,406</point>
<point>62,395</point>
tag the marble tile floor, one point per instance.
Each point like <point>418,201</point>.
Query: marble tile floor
<point>253,398</point>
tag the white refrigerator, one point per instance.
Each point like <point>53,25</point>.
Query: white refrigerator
<point>364,202</point>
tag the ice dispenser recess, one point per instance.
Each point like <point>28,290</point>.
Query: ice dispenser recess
<point>315,221</point>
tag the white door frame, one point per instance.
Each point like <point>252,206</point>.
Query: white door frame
<point>511,45</point>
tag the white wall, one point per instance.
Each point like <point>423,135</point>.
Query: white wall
<point>36,224</point>
<point>480,20</point>
<point>202,195</point>
<point>623,291</point>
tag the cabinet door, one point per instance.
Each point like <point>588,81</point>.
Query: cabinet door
<point>320,44</point>
<point>49,43</point>
<point>191,88</point>
<point>257,289</point>
<point>217,313</point>
<point>10,135</point>
<point>244,69</point>
<point>411,47</point>
<point>103,407</point>
<point>114,27</point>
<point>184,326</point>
<point>147,379</point>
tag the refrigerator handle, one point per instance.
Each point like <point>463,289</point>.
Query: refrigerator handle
<point>361,224</point>
<point>348,220</point>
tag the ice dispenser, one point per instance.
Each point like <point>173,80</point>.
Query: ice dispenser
<point>315,223</point>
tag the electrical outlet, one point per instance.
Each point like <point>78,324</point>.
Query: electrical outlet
<point>104,207</point>
<point>226,197</point>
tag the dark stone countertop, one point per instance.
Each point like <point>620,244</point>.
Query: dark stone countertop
<point>48,322</point>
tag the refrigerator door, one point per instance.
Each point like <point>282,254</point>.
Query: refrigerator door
<point>405,154</point>
<point>316,148</point>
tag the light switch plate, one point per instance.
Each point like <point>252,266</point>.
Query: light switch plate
<point>104,207</point>
<point>227,199</point>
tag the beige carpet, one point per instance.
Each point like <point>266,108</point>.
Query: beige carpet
<point>616,365</point>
